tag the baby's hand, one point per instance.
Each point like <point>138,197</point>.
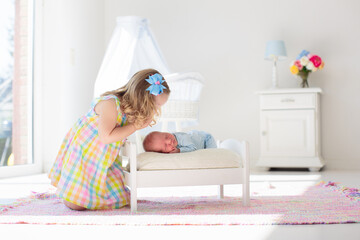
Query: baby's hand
<point>176,150</point>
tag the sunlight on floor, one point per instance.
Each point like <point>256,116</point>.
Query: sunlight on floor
<point>284,176</point>
<point>269,182</point>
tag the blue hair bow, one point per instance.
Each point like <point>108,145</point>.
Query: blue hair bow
<point>302,54</point>
<point>155,84</point>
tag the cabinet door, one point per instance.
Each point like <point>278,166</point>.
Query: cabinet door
<point>288,133</point>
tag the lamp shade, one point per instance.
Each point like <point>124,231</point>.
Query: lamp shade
<point>275,49</point>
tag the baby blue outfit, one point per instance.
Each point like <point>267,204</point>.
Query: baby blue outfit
<point>194,140</point>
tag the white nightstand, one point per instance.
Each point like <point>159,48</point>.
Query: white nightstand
<point>290,128</point>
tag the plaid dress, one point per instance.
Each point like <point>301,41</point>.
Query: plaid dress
<point>87,172</point>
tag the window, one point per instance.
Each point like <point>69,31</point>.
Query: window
<point>16,86</point>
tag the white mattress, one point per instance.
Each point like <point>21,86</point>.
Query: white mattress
<point>200,159</point>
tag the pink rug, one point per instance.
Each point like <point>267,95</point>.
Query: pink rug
<point>324,203</point>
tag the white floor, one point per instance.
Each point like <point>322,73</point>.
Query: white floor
<point>13,188</point>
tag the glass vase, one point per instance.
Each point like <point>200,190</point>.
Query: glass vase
<point>304,76</point>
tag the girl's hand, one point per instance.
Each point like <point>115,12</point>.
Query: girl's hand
<point>107,129</point>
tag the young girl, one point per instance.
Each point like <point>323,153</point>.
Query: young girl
<point>87,172</point>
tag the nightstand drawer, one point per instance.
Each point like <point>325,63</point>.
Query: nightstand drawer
<point>288,101</point>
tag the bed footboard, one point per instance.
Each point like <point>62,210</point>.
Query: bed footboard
<point>246,173</point>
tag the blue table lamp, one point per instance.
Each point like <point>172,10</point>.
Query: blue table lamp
<point>275,51</point>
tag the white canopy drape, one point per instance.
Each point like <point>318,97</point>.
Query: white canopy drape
<point>132,48</point>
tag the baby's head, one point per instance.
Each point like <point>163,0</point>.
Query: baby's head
<point>161,142</point>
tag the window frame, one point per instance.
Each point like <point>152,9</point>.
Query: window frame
<point>35,14</point>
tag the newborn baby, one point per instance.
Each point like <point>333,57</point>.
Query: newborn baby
<point>178,142</point>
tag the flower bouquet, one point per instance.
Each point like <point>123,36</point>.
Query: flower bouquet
<point>304,64</point>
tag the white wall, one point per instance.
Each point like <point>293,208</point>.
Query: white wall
<point>73,47</point>
<point>225,41</point>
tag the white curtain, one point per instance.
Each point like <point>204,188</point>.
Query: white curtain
<point>132,48</point>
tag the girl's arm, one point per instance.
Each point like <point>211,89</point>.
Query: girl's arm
<point>108,132</point>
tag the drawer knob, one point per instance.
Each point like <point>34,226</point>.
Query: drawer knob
<point>287,100</point>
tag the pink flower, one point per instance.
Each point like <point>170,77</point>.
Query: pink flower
<point>316,60</point>
<point>298,64</point>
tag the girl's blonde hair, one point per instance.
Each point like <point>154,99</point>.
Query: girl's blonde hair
<point>137,103</point>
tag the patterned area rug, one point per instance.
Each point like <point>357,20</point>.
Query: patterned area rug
<point>323,203</point>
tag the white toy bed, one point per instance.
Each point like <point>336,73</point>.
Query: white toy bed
<point>201,167</point>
